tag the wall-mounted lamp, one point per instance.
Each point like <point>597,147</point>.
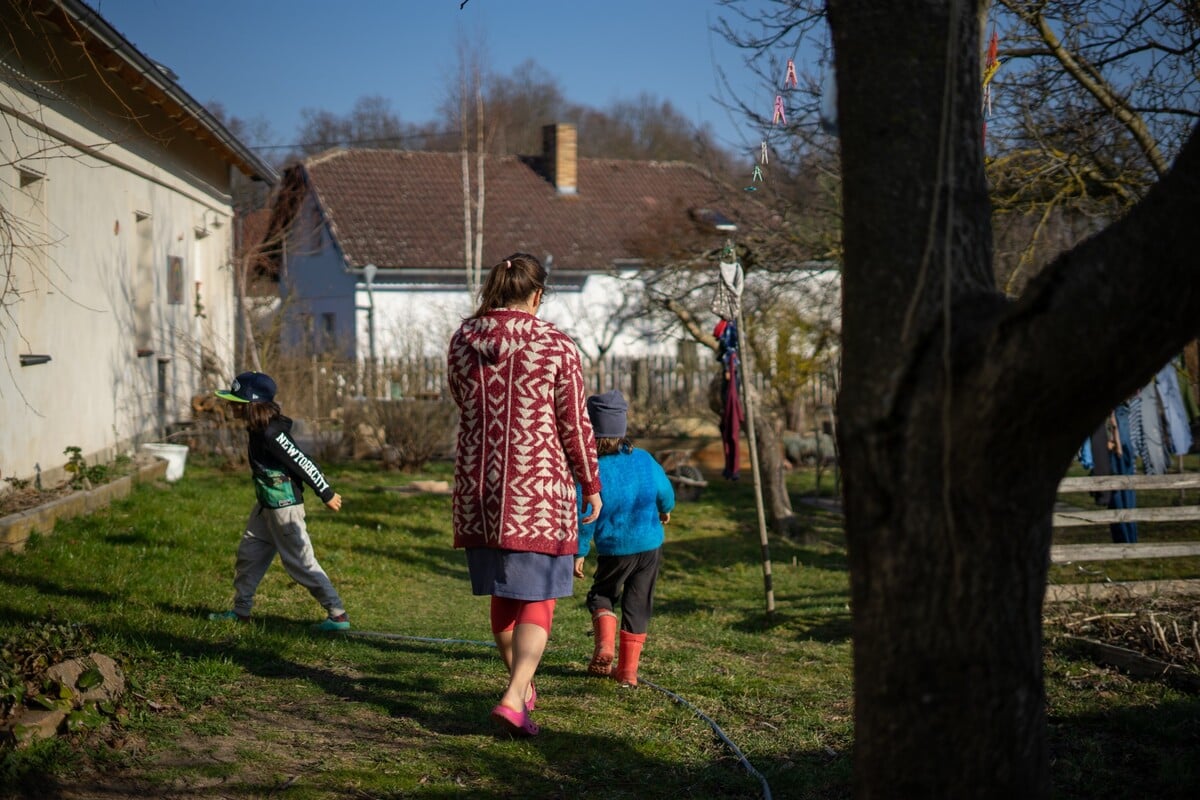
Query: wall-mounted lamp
<point>32,360</point>
<point>202,230</point>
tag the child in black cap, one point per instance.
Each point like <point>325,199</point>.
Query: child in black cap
<point>279,469</point>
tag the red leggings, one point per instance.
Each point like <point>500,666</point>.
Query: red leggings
<point>507,613</point>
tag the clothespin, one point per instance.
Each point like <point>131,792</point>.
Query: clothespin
<point>757,176</point>
<point>790,80</point>
<point>763,157</point>
<point>780,115</point>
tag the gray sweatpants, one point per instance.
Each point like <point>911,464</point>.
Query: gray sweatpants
<point>282,530</point>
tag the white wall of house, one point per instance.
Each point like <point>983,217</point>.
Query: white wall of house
<point>326,306</point>
<point>419,322</point>
<point>106,235</point>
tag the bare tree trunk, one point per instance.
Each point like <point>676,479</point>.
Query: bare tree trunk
<point>241,272</point>
<point>468,257</point>
<point>479,153</point>
<point>959,410</point>
<point>774,478</point>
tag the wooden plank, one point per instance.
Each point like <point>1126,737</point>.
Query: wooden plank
<point>1070,519</point>
<point>1137,664</point>
<point>1098,483</point>
<point>1067,553</point>
<point>1067,592</point>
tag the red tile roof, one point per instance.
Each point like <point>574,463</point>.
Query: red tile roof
<point>399,209</point>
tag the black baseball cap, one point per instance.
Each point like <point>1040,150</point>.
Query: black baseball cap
<point>249,387</point>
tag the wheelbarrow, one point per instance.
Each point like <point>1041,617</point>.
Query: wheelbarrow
<point>685,477</point>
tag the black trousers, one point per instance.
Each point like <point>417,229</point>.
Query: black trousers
<point>628,580</point>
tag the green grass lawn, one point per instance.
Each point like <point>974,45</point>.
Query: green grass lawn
<point>227,710</point>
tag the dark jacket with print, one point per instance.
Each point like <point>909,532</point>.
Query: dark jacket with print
<point>280,468</point>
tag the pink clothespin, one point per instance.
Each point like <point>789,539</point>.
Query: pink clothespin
<point>763,157</point>
<point>790,80</point>
<point>780,116</point>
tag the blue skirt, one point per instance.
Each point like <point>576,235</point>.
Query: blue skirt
<point>520,575</point>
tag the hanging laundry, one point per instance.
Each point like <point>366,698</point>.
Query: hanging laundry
<point>1189,395</point>
<point>1179,432</point>
<point>1122,459</point>
<point>728,299</point>
<point>731,410</point>
<point>1153,449</point>
<point>1137,437</point>
<point>1116,457</point>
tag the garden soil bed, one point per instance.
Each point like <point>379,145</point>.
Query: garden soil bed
<point>1147,637</point>
<point>23,512</point>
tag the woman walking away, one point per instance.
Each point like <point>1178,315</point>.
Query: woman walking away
<point>279,470</point>
<point>628,536</point>
<point>524,441</point>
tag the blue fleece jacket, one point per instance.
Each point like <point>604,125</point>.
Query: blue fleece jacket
<point>636,491</point>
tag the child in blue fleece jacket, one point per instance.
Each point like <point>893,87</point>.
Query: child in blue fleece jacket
<point>628,535</point>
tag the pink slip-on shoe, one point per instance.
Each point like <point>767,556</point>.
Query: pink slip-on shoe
<point>516,723</point>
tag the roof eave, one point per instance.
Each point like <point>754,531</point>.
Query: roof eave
<point>99,29</point>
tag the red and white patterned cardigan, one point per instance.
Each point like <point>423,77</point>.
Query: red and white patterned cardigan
<point>524,437</point>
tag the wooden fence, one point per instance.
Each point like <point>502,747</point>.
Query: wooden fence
<point>652,379</point>
<point>1071,553</point>
<point>680,383</point>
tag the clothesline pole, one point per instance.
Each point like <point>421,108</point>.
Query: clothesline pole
<point>748,402</point>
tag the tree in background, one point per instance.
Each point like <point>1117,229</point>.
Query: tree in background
<point>1090,104</point>
<point>370,123</point>
<point>514,110</point>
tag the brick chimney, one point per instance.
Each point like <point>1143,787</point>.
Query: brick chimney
<point>558,148</point>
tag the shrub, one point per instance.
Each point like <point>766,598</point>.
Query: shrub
<point>414,431</point>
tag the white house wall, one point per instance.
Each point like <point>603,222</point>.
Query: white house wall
<point>412,322</point>
<point>96,220</point>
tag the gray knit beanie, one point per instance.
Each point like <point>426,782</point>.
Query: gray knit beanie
<point>607,412</point>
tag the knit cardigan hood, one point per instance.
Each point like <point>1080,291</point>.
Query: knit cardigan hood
<point>524,437</point>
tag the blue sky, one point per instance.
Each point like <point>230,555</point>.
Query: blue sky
<point>271,58</point>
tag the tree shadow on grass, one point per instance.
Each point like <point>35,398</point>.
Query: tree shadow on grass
<point>405,706</point>
<point>717,552</point>
<point>50,588</point>
<point>824,627</point>
<point>1099,755</point>
<point>441,559</point>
